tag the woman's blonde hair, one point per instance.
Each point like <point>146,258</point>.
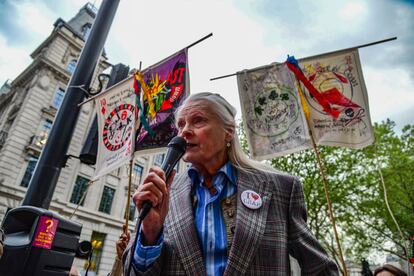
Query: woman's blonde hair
<point>226,113</point>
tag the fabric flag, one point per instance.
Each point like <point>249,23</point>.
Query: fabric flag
<point>163,87</point>
<point>272,114</point>
<point>335,91</point>
<point>116,111</point>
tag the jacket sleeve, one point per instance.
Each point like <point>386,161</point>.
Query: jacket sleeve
<point>303,245</point>
<point>155,268</point>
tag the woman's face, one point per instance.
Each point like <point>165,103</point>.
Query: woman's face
<point>205,136</point>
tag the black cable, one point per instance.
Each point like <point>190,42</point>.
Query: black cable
<point>176,149</point>
<point>89,263</point>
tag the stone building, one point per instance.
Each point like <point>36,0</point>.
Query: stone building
<point>28,106</point>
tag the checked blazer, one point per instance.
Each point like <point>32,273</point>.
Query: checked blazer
<point>263,238</point>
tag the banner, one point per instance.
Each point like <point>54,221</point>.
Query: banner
<point>163,87</point>
<point>337,99</point>
<point>116,110</point>
<point>334,95</point>
<point>272,114</point>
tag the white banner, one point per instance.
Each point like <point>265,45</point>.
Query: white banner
<point>272,113</point>
<point>116,127</point>
<point>334,92</point>
<point>339,81</point>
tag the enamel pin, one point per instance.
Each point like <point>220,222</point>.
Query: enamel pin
<point>251,199</point>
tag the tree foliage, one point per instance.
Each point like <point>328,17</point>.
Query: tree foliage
<point>356,192</point>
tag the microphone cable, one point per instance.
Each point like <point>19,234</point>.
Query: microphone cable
<point>176,149</point>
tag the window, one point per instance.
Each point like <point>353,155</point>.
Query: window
<point>86,31</point>
<point>137,173</point>
<point>31,165</point>
<point>58,99</point>
<point>97,241</point>
<point>41,139</point>
<point>158,159</point>
<point>106,200</point>
<point>79,190</point>
<point>71,66</point>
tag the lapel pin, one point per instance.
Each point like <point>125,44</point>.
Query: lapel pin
<point>251,199</point>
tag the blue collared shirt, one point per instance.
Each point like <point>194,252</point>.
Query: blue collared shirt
<point>209,222</point>
<point>209,219</point>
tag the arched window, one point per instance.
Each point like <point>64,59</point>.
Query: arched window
<point>86,30</point>
<point>71,66</point>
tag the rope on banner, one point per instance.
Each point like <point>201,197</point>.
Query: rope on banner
<point>82,198</point>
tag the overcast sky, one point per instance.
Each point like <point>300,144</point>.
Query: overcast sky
<point>246,34</point>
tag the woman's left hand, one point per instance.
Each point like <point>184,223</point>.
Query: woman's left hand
<point>121,244</point>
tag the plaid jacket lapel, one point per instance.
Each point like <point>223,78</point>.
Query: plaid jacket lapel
<point>250,224</point>
<point>181,228</point>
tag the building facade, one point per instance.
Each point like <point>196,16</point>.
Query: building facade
<point>28,106</point>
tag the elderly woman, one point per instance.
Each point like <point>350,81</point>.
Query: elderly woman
<point>225,215</point>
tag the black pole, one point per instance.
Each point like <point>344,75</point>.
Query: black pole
<point>43,182</point>
<point>90,147</point>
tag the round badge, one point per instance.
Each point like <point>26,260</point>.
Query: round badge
<point>251,199</point>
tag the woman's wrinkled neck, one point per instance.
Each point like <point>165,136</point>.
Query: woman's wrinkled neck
<point>208,171</point>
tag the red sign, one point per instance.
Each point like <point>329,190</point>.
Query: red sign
<point>45,232</point>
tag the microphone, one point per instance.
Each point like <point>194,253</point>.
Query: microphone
<point>176,149</point>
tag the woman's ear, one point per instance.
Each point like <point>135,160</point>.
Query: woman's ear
<point>229,135</point>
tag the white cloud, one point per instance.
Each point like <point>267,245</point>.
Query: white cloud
<point>352,11</point>
<point>37,17</point>
<point>13,61</point>
<point>390,92</point>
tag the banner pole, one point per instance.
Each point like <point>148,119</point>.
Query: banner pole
<point>302,59</point>
<point>198,41</point>
<point>325,181</point>
<point>403,240</point>
<point>328,201</point>
<point>127,79</point>
<point>129,196</point>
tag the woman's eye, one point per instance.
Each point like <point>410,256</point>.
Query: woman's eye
<point>180,125</point>
<point>198,120</point>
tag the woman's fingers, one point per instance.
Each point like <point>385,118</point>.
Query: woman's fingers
<point>154,189</point>
<point>142,196</point>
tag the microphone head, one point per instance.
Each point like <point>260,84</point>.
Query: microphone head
<point>178,143</point>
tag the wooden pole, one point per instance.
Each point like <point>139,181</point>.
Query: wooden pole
<point>127,79</point>
<point>129,195</point>
<point>325,181</point>
<point>315,56</point>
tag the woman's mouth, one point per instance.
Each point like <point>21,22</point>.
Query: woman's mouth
<point>190,145</point>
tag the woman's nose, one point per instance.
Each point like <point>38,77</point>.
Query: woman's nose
<point>186,131</point>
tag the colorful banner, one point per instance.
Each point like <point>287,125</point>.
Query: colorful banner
<point>164,87</point>
<point>334,98</point>
<point>116,110</point>
<point>272,114</point>
<point>335,91</point>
